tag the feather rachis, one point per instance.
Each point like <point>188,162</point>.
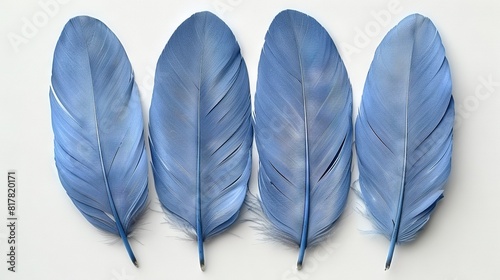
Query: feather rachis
<point>98,131</point>
<point>406,118</point>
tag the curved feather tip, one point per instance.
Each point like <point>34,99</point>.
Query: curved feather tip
<point>200,127</point>
<point>303,131</point>
<point>98,127</point>
<point>404,130</point>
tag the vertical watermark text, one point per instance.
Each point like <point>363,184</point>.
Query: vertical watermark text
<point>12,222</point>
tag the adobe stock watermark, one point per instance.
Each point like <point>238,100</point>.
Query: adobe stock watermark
<point>312,261</point>
<point>223,6</point>
<point>122,275</point>
<point>148,81</point>
<point>372,29</point>
<point>484,89</point>
<point>30,26</point>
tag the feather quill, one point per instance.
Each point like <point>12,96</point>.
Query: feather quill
<point>303,130</point>
<point>200,127</point>
<point>98,127</point>
<point>404,130</point>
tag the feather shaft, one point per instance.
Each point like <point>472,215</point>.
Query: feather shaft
<point>118,223</point>
<point>199,229</point>
<point>112,205</point>
<point>305,226</point>
<point>395,233</point>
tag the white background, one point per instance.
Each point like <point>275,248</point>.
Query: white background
<point>461,241</point>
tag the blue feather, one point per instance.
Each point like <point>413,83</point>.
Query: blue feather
<point>404,130</point>
<point>98,127</point>
<point>303,130</point>
<point>200,127</point>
